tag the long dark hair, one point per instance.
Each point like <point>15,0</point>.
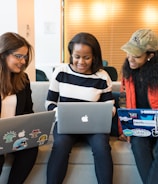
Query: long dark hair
<point>91,41</point>
<point>148,72</point>
<point>11,83</point>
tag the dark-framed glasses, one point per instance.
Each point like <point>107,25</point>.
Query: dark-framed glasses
<point>20,56</point>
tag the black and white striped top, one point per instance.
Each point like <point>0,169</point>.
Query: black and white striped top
<point>69,86</point>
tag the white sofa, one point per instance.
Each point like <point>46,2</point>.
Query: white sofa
<point>81,165</point>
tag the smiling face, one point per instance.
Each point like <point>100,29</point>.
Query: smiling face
<point>138,61</point>
<point>16,61</point>
<point>82,58</point>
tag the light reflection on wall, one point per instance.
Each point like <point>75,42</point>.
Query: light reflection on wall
<point>150,16</point>
<point>99,11</point>
<point>96,11</point>
<point>76,12</point>
<point>104,10</point>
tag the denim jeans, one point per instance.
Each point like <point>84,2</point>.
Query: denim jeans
<point>63,143</point>
<point>145,150</point>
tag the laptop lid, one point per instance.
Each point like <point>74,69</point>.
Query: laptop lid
<point>25,131</point>
<point>84,117</point>
<point>139,122</point>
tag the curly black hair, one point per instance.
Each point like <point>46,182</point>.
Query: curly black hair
<point>148,72</point>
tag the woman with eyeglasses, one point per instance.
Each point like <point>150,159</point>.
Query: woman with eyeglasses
<point>15,56</point>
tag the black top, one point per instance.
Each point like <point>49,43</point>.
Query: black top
<point>24,101</point>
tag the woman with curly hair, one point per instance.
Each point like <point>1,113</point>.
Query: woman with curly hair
<point>140,83</point>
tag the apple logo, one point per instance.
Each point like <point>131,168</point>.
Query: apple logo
<point>21,134</point>
<point>84,118</point>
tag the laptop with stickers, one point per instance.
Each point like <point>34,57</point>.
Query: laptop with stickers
<point>139,122</point>
<point>25,131</point>
<point>84,117</point>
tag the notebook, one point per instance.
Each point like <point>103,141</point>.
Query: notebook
<point>25,131</point>
<point>84,117</point>
<point>139,122</point>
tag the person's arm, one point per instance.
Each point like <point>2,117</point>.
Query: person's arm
<point>122,102</point>
<point>107,93</point>
<point>53,92</point>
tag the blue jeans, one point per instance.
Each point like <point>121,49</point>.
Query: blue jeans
<point>63,143</point>
<point>145,150</point>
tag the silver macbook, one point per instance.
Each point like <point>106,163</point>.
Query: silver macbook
<point>25,131</point>
<point>84,117</point>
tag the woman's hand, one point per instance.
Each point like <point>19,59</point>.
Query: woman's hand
<point>122,137</point>
<point>113,111</point>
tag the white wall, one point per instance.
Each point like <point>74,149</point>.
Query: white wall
<point>47,27</point>
<point>25,17</point>
<point>47,34</point>
<point>8,16</point>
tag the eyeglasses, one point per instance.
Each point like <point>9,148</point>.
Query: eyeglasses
<point>20,56</point>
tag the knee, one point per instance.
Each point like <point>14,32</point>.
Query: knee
<point>61,147</point>
<point>101,150</point>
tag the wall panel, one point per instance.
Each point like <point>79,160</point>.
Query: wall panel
<point>111,21</point>
<point>25,16</point>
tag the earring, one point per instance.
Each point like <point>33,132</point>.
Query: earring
<point>148,59</point>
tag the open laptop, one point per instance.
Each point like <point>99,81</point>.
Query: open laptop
<point>84,117</point>
<point>25,131</point>
<point>139,122</point>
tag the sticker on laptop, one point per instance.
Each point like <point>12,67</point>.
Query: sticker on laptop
<point>154,132</point>
<point>34,133</point>
<point>20,144</point>
<point>42,139</point>
<point>127,132</point>
<point>8,136</point>
<point>137,132</point>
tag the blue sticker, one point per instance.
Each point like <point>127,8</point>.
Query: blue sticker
<point>20,144</point>
<point>128,132</point>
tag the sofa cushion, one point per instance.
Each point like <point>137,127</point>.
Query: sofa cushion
<point>121,152</point>
<point>39,95</point>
